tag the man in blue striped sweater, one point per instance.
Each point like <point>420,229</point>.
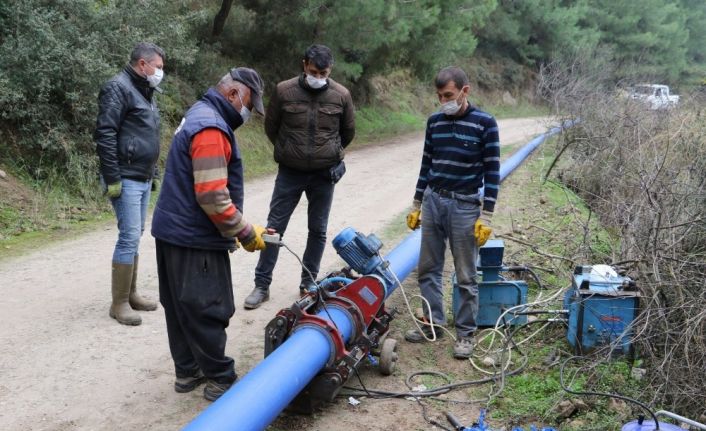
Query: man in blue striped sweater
<point>461,155</point>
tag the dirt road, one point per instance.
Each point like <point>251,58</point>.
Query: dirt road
<point>65,365</point>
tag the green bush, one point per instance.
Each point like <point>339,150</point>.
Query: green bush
<point>54,56</point>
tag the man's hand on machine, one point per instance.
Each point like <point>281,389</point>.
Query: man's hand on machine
<point>253,241</point>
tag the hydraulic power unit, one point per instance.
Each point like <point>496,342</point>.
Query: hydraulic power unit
<point>495,293</point>
<point>602,306</point>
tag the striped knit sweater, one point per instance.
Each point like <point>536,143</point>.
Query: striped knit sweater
<point>461,154</point>
<point>210,154</point>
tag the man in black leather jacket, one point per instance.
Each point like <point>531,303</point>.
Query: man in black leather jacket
<point>127,142</point>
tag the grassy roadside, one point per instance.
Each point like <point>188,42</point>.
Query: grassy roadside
<point>556,222</point>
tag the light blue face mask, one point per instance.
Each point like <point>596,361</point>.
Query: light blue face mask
<point>244,111</point>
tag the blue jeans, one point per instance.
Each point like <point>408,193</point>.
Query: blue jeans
<point>452,219</point>
<point>289,187</point>
<point>131,211</point>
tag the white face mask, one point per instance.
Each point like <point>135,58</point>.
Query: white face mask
<point>155,79</point>
<point>451,107</point>
<point>315,82</point>
<point>244,111</point>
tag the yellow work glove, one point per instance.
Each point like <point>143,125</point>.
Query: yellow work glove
<point>254,240</point>
<point>482,228</point>
<point>414,218</point>
<point>114,190</point>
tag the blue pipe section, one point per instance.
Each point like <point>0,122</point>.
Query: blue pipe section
<point>403,259</point>
<point>512,162</point>
<point>257,399</point>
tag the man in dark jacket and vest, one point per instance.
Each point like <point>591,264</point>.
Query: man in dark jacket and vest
<point>127,141</point>
<point>310,120</point>
<point>197,221</point>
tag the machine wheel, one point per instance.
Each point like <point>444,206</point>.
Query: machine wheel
<point>388,356</point>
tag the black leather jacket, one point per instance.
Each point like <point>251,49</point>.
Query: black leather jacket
<point>127,128</point>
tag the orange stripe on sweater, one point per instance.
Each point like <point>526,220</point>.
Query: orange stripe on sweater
<point>211,186</point>
<point>210,143</point>
<point>223,217</point>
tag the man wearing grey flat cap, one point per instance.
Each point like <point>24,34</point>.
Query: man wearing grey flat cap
<point>198,219</point>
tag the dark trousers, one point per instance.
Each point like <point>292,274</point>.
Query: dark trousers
<point>196,291</point>
<point>289,187</point>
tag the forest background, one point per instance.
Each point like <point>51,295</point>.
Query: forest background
<point>54,56</point>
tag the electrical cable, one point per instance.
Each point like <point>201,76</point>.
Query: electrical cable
<point>311,276</point>
<point>501,320</point>
<point>530,304</point>
<point>603,394</point>
<point>535,276</point>
<point>414,318</point>
<point>408,381</point>
<point>517,268</point>
<point>444,389</point>
<point>432,421</point>
<point>481,352</point>
<point>435,391</point>
<point>488,353</point>
<point>361,381</point>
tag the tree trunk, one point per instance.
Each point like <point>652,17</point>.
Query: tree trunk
<point>220,20</point>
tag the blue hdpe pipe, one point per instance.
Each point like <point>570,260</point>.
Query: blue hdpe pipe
<point>259,397</point>
<point>512,162</point>
<point>256,400</point>
<point>403,258</point>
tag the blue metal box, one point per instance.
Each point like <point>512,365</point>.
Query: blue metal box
<point>495,293</point>
<point>491,254</point>
<point>497,296</point>
<point>602,307</point>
